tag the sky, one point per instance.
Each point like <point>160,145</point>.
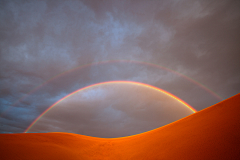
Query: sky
<point>49,49</point>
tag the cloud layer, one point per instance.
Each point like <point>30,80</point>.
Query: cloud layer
<point>41,39</point>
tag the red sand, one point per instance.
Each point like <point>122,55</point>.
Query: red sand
<point>213,133</point>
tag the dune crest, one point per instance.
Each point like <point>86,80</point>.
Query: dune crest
<point>213,133</point>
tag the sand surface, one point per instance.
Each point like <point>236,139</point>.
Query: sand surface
<point>213,133</point>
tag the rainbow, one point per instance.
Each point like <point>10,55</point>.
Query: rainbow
<point>107,62</point>
<point>111,82</point>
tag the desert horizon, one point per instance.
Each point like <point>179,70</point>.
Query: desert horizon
<point>212,133</point>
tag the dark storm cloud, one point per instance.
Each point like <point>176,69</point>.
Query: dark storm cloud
<point>205,45</point>
<point>40,39</point>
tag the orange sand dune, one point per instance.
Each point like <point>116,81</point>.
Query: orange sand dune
<point>213,133</point>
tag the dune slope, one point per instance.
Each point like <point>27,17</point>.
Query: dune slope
<point>213,133</point>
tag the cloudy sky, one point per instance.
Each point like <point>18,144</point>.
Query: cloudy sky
<point>50,49</point>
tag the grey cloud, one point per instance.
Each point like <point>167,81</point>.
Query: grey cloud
<point>41,39</point>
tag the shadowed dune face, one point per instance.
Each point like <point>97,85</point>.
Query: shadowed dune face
<point>112,110</point>
<point>213,133</point>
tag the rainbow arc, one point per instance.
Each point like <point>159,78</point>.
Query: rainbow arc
<point>110,82</point>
